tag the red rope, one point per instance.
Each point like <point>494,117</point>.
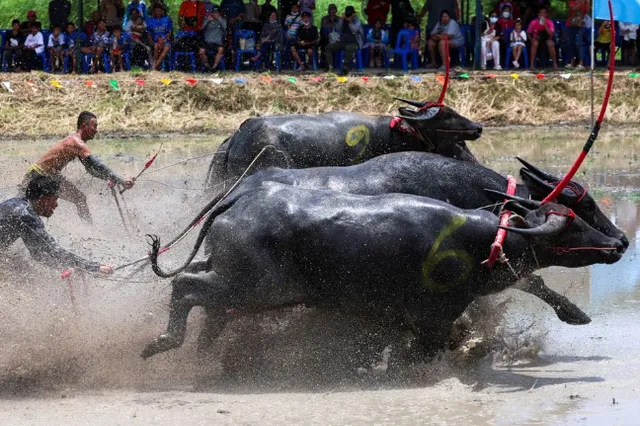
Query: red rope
<point>446,75</point>
<point>496,247</point>
<point>596,128</point>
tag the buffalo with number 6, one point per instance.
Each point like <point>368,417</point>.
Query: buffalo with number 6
<point>413,261</point>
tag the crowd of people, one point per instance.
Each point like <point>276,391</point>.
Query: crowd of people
<point>211,35</point>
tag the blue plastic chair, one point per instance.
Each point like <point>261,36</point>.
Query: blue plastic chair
<point>303,54</point>
<point>358,56</point>
<point>177,54</point>
<point>277,56</point>
<point>507,59</point>
<point>86,59</point>
<point>403,50</point>
<point>246,34</point>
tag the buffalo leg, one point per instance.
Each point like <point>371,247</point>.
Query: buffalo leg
<point>216,320</point>
<point>564,308</point>
<point>189,290</point>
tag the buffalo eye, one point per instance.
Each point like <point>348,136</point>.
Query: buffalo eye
<point>589,206</point>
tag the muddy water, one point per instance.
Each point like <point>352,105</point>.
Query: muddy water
<point>77,363</point>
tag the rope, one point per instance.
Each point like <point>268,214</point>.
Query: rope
<point>446,75</point>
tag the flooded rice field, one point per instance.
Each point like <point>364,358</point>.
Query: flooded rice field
<point>65,361</point>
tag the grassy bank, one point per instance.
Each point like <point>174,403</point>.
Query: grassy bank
<point>39,108</point>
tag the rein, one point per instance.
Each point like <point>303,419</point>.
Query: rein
<point>496,248</point>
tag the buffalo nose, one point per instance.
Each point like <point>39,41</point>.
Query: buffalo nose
<point>625,242</point>
<point>479,130</point>
<point>621,247</point>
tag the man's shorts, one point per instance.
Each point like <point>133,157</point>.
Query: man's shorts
<point>210,47</point>
<point>298,46</point>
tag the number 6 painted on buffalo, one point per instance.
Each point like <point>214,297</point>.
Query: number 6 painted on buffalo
<point>434,258</point>
<point>358,135</point>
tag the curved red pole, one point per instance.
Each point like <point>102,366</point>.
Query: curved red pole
<point>596,128</point>
<point>446,75</point>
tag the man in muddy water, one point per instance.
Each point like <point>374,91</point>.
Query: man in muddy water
<point>62,153</point>
<point>20,218</point>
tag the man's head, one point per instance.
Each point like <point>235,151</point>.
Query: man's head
<point>157,11</point>
<point>445,17</point>
<point>333,10</point>
<point>95,16</point>
<point>306,18</point>
<point>506,12</point>
<point>215,13</point>
<point>87,125</point>
<point>117,31</point>
<point>543,13</point>
<point>378,24</point>
<point>34,29</point>
<point>42,191</point>
<point>31,16</point>
<point>493,17</point>
<point>349,11</point>
<point>71,27</point>
<point>134,14</point>
<point>295,9</point>
<point>273,17</point>
<point>15,25</point>
<point>102,26</point>
<point>57,29</point>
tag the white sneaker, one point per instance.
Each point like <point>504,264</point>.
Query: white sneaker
<point>579,67</point>
<point>483,67</point>
<point>516,64</point>
<point>497,68</point>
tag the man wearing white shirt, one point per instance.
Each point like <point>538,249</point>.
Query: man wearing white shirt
<point>33,46</point>
<point>629,33</point>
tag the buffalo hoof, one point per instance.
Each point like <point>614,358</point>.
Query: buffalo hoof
<point>573,315</point>
<point>162,343</point>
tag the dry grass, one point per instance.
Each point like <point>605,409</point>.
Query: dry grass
<point>41,109</point>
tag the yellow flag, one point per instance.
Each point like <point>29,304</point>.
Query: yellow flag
<point>56,84</point>
<point>342,79</point>
<point>166,81</point>
<point>515,76</point>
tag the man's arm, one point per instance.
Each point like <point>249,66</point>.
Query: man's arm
<point>93,165</point>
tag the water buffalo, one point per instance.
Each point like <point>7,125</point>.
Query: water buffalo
<point>456,182</point>
<point>412,260</point>
<point>340,139</point>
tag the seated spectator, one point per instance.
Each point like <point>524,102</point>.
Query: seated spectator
<point>448,29</point>
<point>233,11</point>
<point>307,39</point>
<point>291,23</point>
<point>572,37</point>
<point>59,11</point>
<point>327,26</point>
<point>490,42</point>
<point>414,34</point>
<point>159,30</point>
<point>190,19</point>
<point>513,9</point>
<point>137,5</point>
<point>265,11</point>
<point>160,3</point>
<point>91,25</point>
<point>377,39</point>
<point>629,33</point>
<point>308,6</point>
<point>377,10</point>
<point>136,28</point>
<point>112,12</point>
<point>214,32</point>
<point>13,47</point>
<point>99,42</point>
<point>533,9</point>
<point>209,6</point>
<point>271,40</point>
<point>603,42</point>
<point>506,20</point>
<point>32,18</point>
<point>350,33</point>
<point>56,46</point>
<point>541,30</point>
<point>251,19</point>
<point>33,46</point>
<point>119,45</point>
<point>518,40</point>
<point>71,44</point>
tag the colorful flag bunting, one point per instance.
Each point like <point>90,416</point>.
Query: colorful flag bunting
<point>416,78</point>
<point>114,85</point>
<point>56,84</point>
<point>32,85</point>
<point>266,79</point>
<point>341,79</point>
<point>464,76</point>
<point>515,76</point>
<point>317,79</point>
<point>217,80</point>
<point>540,76</point>
<point>166,81</point>
<point>389,77</point>
<point>140,82</point>
<point>566,76</point>
<point>240,81</point>
<point>291,79</point>
<point>365,79</point>
<point>90,84</point>
<point>7,85</point>
<point>634,75</point>
<point>440,78</point>
<point>191,81</point>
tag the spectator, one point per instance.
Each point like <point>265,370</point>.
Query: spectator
<point>214,31</point>
<point>513,9</point>
<point>533,9</point>
<point>159,31</point>
<point>233,11</point>
<point>70,49</point>
<point>136,28</point>
<point>327,26</point>
<point>490,42</point>
<point>112,12</point>
<point>100,41</point>
<point>435,8</point>
<point>400,11</point>
<point>190,19</point>
<point>307,39</point>
<point>573,32</point>
<point>414,34</point>
<point>271,39</point>
<point>350,31</point>
<point>629,33</point>
<point>506,19</point>
<point>377,10</point>
<point>265,11</point>
<point>447,29</point>
<point>541,30</point>
<point>308,6</point>
<point>32,18</point>
<point>59,11</point>
<point>55,46</point>
<point>377,39</point>
<point>119,45</point>
<point>13,47</point>
<point>33,46</point>
<point>209,6</point>
<point>603,42</point>
<point>291,24</point>
<point>90,26</point>
<point>251,20</point>
<point>518,39</point>
<point>137,5</point>
<point>160,3</point>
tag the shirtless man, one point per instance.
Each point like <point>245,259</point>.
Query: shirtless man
<point>62,153</point>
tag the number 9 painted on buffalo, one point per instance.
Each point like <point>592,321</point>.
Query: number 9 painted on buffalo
<point>435,257</point>
<point>358,135</point>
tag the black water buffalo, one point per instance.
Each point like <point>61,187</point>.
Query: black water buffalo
<point>456,182</point>
<point>339,139</point>
<point>412,260</point>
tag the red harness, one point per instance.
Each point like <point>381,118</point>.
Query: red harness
<point>496,247</point>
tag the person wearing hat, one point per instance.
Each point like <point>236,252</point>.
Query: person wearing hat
<point>350,33</point>
<point>32,18</point>
<point>20,219</point>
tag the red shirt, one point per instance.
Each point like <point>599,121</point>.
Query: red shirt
<point>577,10</point>
<point>89,27</point>
<point>190,10</point>
<point>378,9</point>
<point>506,24</point>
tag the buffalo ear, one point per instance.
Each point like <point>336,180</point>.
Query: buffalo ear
<point>501,196</point>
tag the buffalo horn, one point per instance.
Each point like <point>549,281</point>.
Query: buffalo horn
<point>540,181</point>
<point>525,202</point>
<point>536,171</point>
<point>552,226</point>
<point>412,103</point>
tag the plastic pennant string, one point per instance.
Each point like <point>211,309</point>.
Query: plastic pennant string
<point>217,80</point>
<point>440,79</point>
<point>140,82</point>
<point>292,79</point>
<point>266,79</point>
<point>341,79</point>
<point>389,77</point>
<point>633,75</point>
<point>540,76</point>
<point>240,81</point>
<point>191,81</point>
<point>32,85</point>
<point>365,79</point>
<point>56,84</point>
<point>166,81</point>
<point>90,84</point>
<point>490,76</point>
<point>317,79</point>
<point>464,76</point>
<point>416,78</point>
<point>515,76</point>
<point>566,76</point>
<point>114,85</point>
<point>7,85</point>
